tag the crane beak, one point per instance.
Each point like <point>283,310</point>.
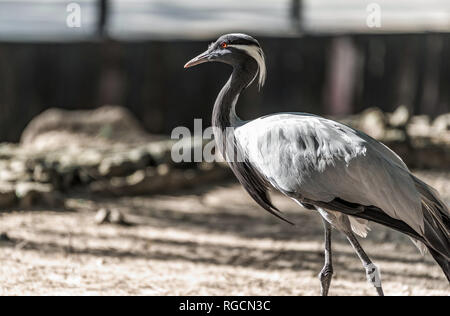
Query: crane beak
<point>200,59</point>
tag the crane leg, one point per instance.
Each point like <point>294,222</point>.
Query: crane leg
<point>326,274</point>
<point>372,271</point>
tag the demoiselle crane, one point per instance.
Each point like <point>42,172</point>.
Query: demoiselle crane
<point>347,176</point>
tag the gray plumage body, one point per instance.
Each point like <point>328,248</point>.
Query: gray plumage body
<point>321,160</point>
<point>347,176</point>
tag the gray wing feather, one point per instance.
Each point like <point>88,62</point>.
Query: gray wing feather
<point>321,160</point>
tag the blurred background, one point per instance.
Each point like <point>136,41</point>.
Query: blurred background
<point>322,57</point>
<point>90,91</point>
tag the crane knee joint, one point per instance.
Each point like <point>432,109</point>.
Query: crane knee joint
<point>373,274</point>
<point>326,273</point>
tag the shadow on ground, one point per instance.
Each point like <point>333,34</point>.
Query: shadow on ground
<point>205,233</point>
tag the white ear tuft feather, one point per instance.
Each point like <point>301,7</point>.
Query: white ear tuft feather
<point>257,54</point>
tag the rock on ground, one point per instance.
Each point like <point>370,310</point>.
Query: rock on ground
<point>56,128</point>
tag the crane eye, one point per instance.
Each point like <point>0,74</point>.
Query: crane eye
<point>224,45</point>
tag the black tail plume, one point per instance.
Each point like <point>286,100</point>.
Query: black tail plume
<point>442,262</point>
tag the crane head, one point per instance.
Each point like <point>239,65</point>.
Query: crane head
<point>233,49</point>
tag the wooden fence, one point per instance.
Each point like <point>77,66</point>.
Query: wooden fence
<point>321,74</point>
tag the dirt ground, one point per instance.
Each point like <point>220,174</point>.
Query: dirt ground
<point>209,241</point>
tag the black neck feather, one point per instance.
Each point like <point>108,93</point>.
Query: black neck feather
<point>224,114</point>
